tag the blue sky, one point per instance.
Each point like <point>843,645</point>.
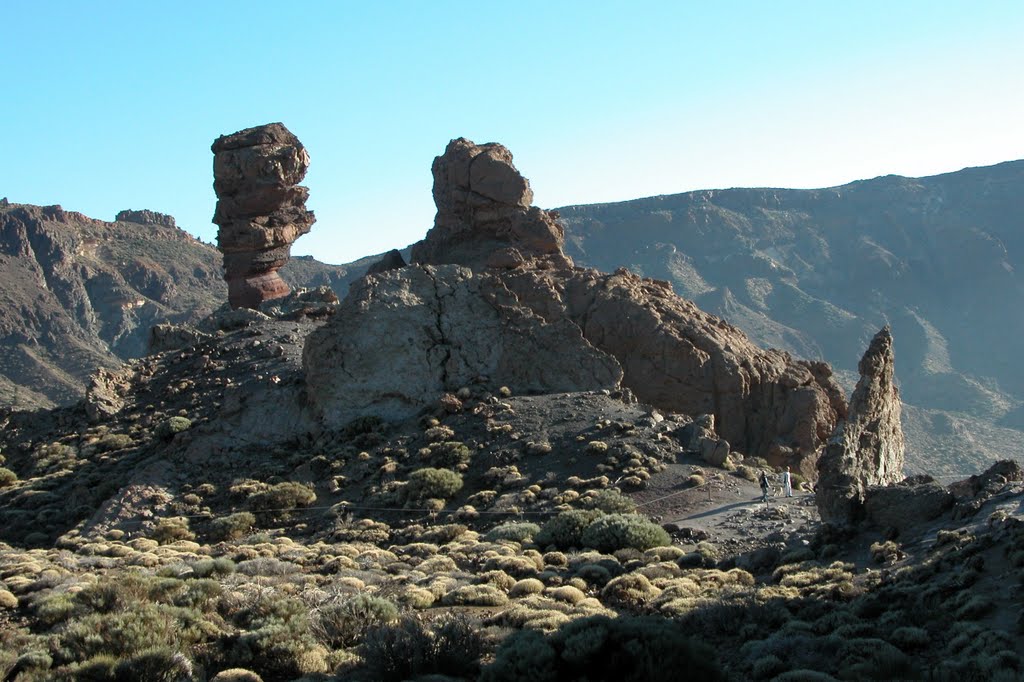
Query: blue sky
<point>111,105</point>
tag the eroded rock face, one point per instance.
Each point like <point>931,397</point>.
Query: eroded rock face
<point>261,209</point>
<point>484,213</point>
<point>868,448</point>
<point>146,217</point>
<point>403,338</point>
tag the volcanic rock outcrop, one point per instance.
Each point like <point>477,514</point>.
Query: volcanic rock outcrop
<point>868,448</point>
<point>521,316</point>
<point>484,217</point>
<point>146,217</point>
<point>261,209</point>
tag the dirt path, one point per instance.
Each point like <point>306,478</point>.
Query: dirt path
<point>726,510</point>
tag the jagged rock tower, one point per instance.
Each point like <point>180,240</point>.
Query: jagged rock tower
<point>484,217</point>
<point>868,448</point>
<point>261,209</point>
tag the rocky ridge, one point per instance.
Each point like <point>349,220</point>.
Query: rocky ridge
<point>817,272</point>
<point>81,294</point>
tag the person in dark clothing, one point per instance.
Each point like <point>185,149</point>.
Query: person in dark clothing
<point>764,487</point>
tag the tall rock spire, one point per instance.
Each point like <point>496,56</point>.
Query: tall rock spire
<point>261,209</point>
<point>868,448</point>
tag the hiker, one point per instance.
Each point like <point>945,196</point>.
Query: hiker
<point>764,486</point>
<point>787,483</point>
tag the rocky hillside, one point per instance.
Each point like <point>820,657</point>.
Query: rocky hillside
<point>818,272</point>
<point>80,293</point>
<point>490,464</point>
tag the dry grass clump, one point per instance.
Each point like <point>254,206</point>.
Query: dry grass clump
<point>569,594</point>
<point>171,530</point>
<point>520,566</point>
<point>437,564</point>
<point>886,552</point>
<point>500,579</point>
<point>363,530</point>
<point>475,595</point>
<point>631,591</point>
<point>514,531</point>
<point>526,586</point>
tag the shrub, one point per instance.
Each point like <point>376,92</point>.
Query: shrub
<point>279,499</point>
<point>114,441</point>
<point>612,502</point>
<point>168,428</point>
<point>566,530</point>
<point>344,623</point>
<point>7,477</point>
<point>159,664</point>
<point>451,646</point>
<point>450,454</point>
<point>172,529</point>
<point>631,590</point>
<point>525,587</point>
<point>232,526</point>
<point>886,552</point>
<point>475,595</point>
<point>617,531</point>
<point>603,648</point>
<point>429,483</point>
<point>513,530</point>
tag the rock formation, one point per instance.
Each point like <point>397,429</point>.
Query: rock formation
<point>261,209</point>
<point>522,317</point>
<point>867,449</point>
<point>484,217</point>
<point>392,260</point>
<point>402,338</point>
<point>146,217</point>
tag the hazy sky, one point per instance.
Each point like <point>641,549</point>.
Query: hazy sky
<point>110,105</point>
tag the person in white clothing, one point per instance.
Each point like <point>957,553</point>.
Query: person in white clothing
<point>787,483</point>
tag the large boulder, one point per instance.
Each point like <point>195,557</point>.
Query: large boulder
<point>484,213</point>
<point>867,449</point>
<point>402,338</point>
<point>908,504</point>
<point>261,209</point>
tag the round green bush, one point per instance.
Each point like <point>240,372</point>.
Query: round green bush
<point>513,530</point>
<point>566,530</point>
<point>7,477</point>
<point>429,483</point>
<point>232,526</point>
<point>168,428</point>
<point>618,531</point>
<point>282,497</point>
<point>613,502</point>
<point>449,454</point>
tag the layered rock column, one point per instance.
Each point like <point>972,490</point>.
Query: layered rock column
<point>868,448</point>
<point>261,209</point>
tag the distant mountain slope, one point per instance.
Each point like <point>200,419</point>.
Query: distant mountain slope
<point>79,293</point>
<point>818,272</point>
